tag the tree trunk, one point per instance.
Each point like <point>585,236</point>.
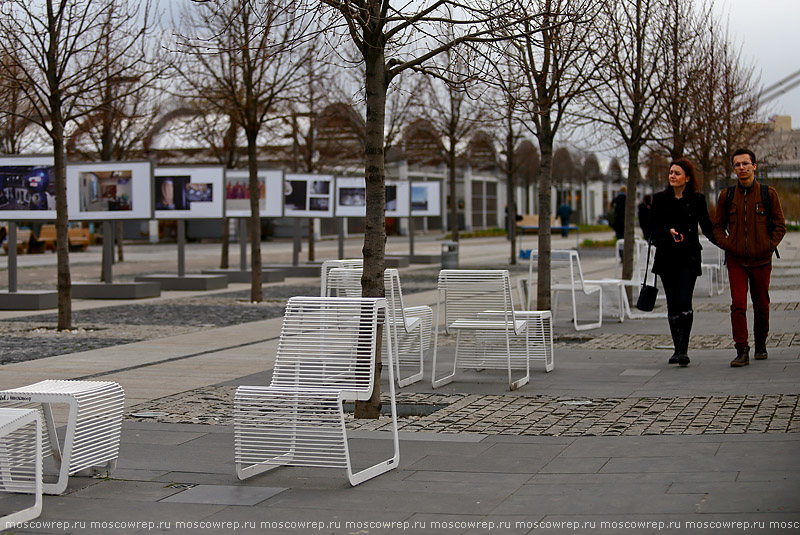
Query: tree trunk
<point>630,213</point>
<point>226,242</point>
<point>255,219</point>
<point>120,226</point>
<point>545,199</point>
<point>375,232</point>
<point>510,197</point>
<point>451,185</point>
<point>64,282</point>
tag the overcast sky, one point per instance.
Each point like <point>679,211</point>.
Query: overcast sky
<point>769,33</point>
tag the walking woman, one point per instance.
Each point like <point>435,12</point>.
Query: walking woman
<point>677,211</point>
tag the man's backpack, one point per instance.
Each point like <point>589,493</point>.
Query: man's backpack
<point>730,190</point>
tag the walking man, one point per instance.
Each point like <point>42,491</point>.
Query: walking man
<point>749,225</point>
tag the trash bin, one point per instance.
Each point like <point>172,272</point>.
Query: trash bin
<point>449,255</point>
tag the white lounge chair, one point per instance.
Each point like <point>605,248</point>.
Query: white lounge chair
<point>327,265</point>
<point>94,423</point>
<point>412,325</point>
<point>325,356</point>
<point>490,334</point>
<point>21,461</point>
<point>566,275</point>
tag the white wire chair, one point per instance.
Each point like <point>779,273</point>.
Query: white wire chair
<point>21,461</point>
<point>566,275</point>
<point>412,325</point>
<point>712,268</point>
<point>325,356</point>
<point>94,423</point>
<point>479,310</point>
<point>327,265</point>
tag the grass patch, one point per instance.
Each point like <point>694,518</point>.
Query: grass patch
<point>489,232</point>
<point>599,243</point>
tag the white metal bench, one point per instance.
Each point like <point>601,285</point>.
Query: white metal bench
<point>327,265</point>
<point>413,325</point>
<point>325,356</point>
<point>94,423</point>
<point>21,461</point>
<point>479,310</point>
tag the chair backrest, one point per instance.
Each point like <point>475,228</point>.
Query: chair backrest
<point>565,267</point>
<point>327,265</point>
<point>711,254</point>
<point>346,282</point>
<point>468,292</point>
<point>329,343</point>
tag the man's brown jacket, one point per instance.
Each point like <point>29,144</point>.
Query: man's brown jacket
<point>744,232</point>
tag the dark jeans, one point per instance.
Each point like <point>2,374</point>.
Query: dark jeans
<point>678,284</point>
<point>758,280</point>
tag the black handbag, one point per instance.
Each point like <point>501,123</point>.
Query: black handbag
<point>648,294</point>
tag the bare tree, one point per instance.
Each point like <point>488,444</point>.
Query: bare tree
<point>629,99</point>
<point>454,115</point>
<point>57,62</point>
<point>553,59</point>
<point>738,105</point>
<point>683,61</point>
<point>15,108</point>
<point>380,29</point>
<point>130,104</point>
<point>504,110</point>
<point>526,156</point>
<point>244,59</point>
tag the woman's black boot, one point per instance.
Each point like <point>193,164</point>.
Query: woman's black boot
<point>685,330</point>
<point>674,329</point>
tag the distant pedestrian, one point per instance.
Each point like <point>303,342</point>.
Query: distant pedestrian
<point>564,212</point>
<point>645,208</point>
<point>616,213</point>
<point>676,213</point>
<point>749,225</point>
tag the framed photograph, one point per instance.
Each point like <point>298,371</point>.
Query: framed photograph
<point>27,188</point>
<point>425,199</point>
<point>189,192</point>
<point>307,195</point>
<point>351,198</point>
<point>109,191</point>
<point>237,193</point>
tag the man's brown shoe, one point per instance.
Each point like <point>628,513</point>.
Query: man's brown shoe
<point>742,357</point>
<point>760,352</point>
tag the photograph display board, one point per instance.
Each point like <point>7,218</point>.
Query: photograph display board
<point>189,192</point>
<point>109,191</point>
<point>308,195</point>
<point>27,188</point>
<point>425,199</point>
<point>351,198</point>
<point>237,193</point>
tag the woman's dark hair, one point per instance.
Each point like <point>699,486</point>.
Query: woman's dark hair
<point>688,169</point>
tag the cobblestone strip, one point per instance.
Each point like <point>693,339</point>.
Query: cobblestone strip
<point>537,415</point>
<point>633,342</point>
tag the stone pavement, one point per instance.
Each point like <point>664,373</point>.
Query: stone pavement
<point>614,440</point>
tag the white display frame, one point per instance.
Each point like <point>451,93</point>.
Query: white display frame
<point>213,175</point>
<point>273,192</point>
<point>29,215</point>
<point>402,190</point>
<point>141,191</point>
<point>433,199</point>
<point>311,197</point>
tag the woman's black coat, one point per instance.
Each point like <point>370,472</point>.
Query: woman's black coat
<point>684,215</point>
